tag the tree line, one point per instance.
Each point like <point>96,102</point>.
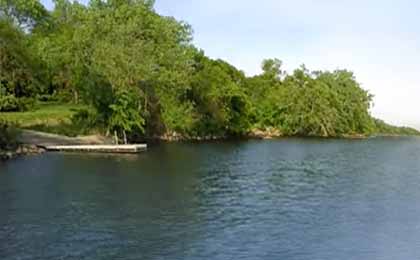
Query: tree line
<point>142,76</point>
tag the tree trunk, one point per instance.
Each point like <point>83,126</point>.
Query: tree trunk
<point>116,137</point>
<point>76,96</point>
<point>125,137</point>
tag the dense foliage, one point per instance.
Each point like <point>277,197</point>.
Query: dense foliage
<point>8,140</point>
<point>383,128</point>
<point>142,76</point>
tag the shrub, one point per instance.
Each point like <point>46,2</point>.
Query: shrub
<point>84,120</point>
<point>9,103</point>
<point>47,98</point>
<point>26,103</point>
<point>8,136</point>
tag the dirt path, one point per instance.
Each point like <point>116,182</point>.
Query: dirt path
<point>41,139</point>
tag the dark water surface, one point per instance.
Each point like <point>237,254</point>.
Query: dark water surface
<point>287,199</point>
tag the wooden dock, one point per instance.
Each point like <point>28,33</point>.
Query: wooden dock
<point>129,148</point>
<point>81,144</point>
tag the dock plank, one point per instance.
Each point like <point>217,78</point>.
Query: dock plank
<point>129,148</point>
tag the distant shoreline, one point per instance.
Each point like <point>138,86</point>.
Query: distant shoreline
<point>33,141</point>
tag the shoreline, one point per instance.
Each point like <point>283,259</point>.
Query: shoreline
<point>266,135</point>
<point>21,150</point>
<point>257,134</point>
<point>32,142</point>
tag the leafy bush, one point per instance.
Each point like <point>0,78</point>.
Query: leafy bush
<point>84,120</point>
<point>9,103</point>
<point>63,96</point>
<point>8,136</point>
<point>126,117</point>
<point>25,104</point>
<point>46,98</point>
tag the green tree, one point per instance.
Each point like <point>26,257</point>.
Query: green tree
<point>62,51</point>
<point>125,115</point>
<point>220,100</point>
<point>19,74</point>
<point>26,14</point>
<point>141,74</point>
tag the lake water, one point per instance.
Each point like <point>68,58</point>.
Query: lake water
<point>298,199</point>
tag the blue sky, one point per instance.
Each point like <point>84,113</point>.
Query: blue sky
<point>377,39</point>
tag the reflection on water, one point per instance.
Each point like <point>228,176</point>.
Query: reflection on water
<point>286,199</point>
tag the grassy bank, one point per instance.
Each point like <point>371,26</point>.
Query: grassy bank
<point>46,117</point>
<point>48,114</point>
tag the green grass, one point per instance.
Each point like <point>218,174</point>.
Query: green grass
<point>46,117</point>
<point>43,114</point>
